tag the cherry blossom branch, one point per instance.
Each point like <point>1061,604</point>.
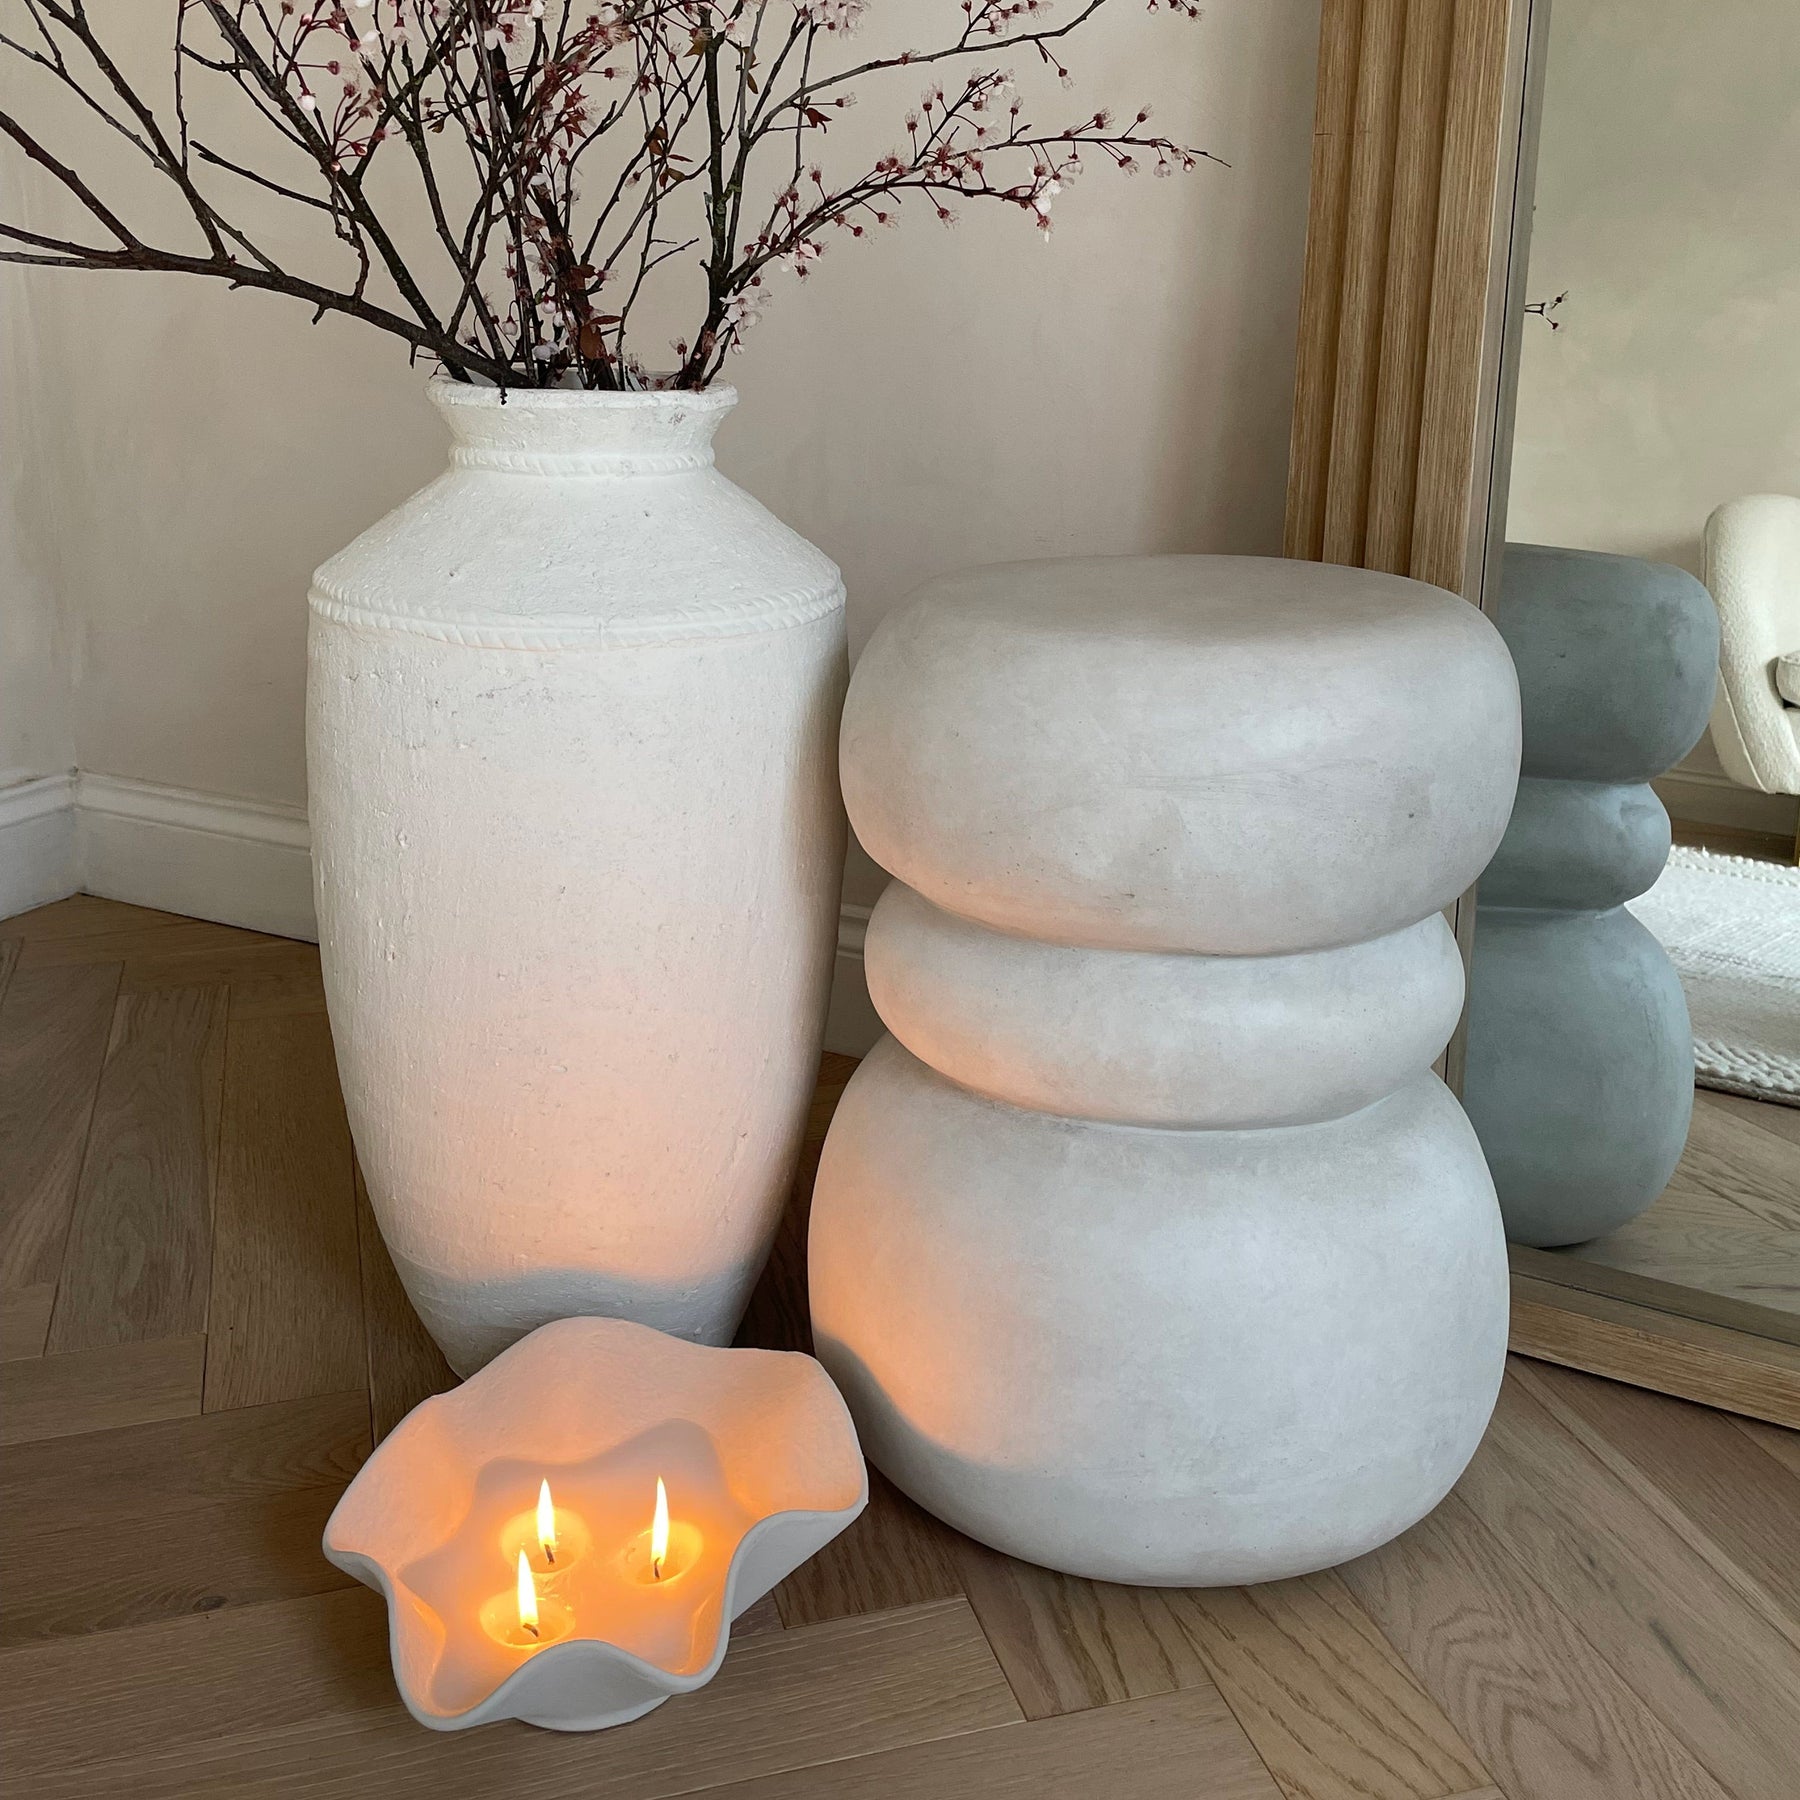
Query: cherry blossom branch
<point>496,108</point>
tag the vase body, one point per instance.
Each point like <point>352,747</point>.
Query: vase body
<point>1148,1247</point>
<point>577,846</point>
<point>1580,1070</point>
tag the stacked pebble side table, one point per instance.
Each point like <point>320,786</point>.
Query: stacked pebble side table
<point>1148,1247</point>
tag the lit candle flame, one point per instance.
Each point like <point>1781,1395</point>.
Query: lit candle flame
<point>546,1523</point>
<point>528,1606</point>
<point>659,1531</point>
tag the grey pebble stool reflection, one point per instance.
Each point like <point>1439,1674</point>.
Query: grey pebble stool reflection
<point>1580,1074</point>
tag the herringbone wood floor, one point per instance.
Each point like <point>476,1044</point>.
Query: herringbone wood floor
<point>203,1336</point>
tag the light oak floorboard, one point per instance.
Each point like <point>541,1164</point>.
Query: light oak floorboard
<point>64,1579</point>
<point>1765,1115</point>
<point>781,1702</point>
<point>25,1319</point>
<point>1704,1477</point>
<point>1324,1697</point>
<point>1544,1713</point>
<point>1536,1663</point>
<point>101,1480</point>
<point>1183,1746</point>
<point>1718,1204</point>
<point>268,979</point>
<point>1067,1644</point>
<point>1776,1440</point>
<point>138,1253</point>
<point>404,1364</point>
<point>761,1617</point>
<point>185,935</point>
<point>82,915</point>
<point>98,1390</point>
<point>1757,1171</point>
<point>286,1304</point>
<point>176,1684</point>
<point>54,1028</point>
<point>894,1555</point>
<point>1720,1677</point>
<point>1684,1239</point>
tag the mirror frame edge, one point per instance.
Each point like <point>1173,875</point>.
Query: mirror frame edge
<point>1425,124</point>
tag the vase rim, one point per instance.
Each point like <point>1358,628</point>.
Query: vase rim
<point>448,392</point>
<point>580,431</point>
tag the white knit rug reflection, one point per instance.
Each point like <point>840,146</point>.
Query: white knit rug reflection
<point>1731,927</point>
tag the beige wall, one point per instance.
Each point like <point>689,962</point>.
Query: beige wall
<point>932,398</point>
<point>37,735</point>
<point>1668,206</point>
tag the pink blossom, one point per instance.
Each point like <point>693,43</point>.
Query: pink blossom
<point>832,15</point>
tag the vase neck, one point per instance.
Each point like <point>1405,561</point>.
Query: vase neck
<point>575,432</point>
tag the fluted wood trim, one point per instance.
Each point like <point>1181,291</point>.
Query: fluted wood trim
<point>1309,455</point>
<point>1405,338</point>
<point>1415,145</point>
<point>1369,205</point>
<point>1464,276</point>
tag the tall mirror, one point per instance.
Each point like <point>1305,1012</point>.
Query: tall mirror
<point>1633,1062</point>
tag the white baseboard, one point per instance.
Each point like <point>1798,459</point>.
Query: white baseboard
<point>1703,798</point>
<point>852,1024</point>
<point>210,856</point>
<point>240,862</point>
<point>38,860</point>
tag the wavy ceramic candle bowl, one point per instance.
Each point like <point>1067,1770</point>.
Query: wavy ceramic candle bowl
<point>762,1470</point>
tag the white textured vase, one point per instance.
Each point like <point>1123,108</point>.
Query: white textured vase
<point>577,843</point>
<point>1149,1247</point>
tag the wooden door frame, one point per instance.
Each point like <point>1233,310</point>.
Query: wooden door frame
<point>1424,148</point>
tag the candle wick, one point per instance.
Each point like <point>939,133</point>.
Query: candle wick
<point>549,1553</point>
<point>532,1629</point>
